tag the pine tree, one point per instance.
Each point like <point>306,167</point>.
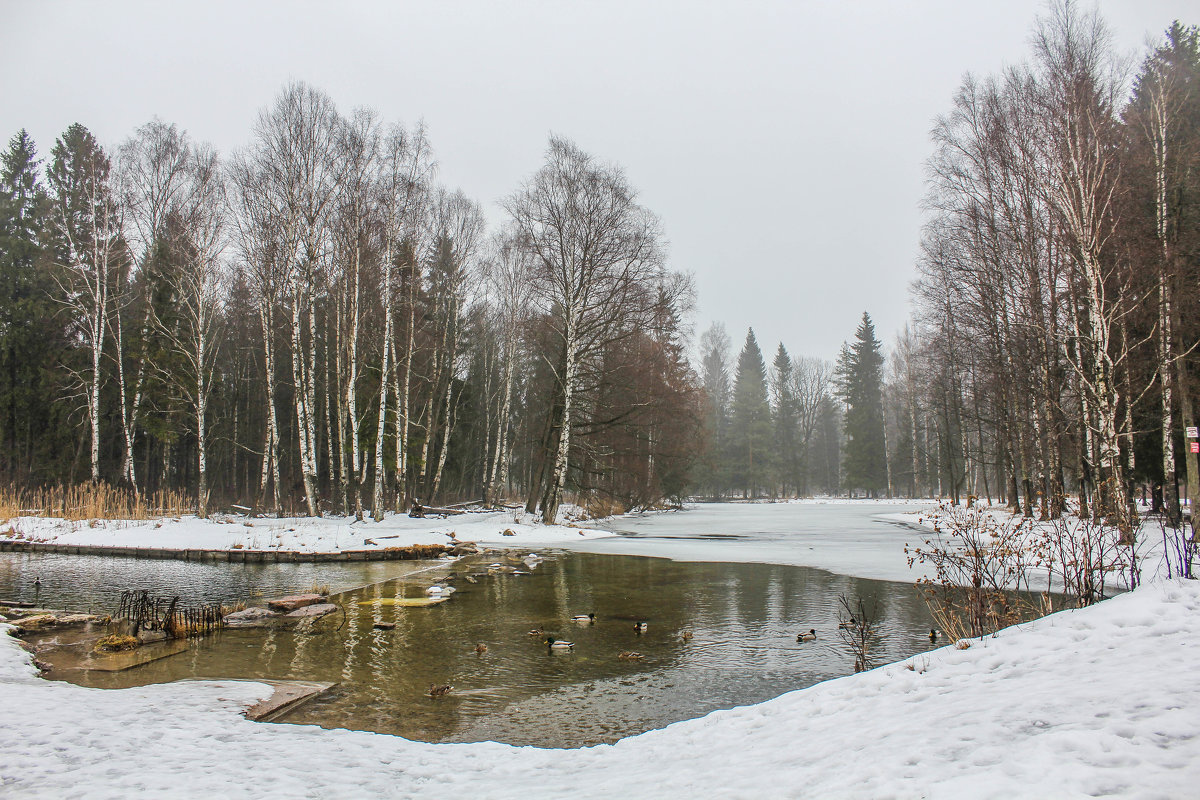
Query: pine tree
<point>860,386</point>
<point>26,313</point>
<point>784,408</point>
<point>714,346</point>
<point>750,425</point>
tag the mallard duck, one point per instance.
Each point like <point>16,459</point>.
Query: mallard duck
<point>481,648</point>
<point>584,619</point>
<point>848,626</point>
<point>687,635</point>
<point>558,644</point>
<point>537,632</point>
<point>811,636</point>
<point>640,627</point>
<point>933,634</point>
<point>629,655</point>
<point>439,691</point>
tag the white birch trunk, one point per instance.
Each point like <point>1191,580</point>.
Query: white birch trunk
<point>381,427</point>
<point>558,477</point>
<point>304,422</point>
<point>201,416</point>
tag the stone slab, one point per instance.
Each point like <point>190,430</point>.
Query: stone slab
<point>248,616</point>
<point>119,662</point>
<point>315,610</point>
<point>287,696</point>
<point>288,604</point>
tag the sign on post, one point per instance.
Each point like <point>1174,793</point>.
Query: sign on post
<point>1192,432</point>
<point>1195,446</point>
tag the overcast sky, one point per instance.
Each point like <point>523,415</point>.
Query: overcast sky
<point>781,143</point>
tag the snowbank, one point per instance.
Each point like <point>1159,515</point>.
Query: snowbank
<point>300,534</point>
<point>1098,701</point>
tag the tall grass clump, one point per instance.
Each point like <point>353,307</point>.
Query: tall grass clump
<point>91,501</point>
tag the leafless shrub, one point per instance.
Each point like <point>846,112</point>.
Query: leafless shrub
<point>1081,554</point>
<point>1180,548</point>
<point>981,562</point>
<point>856,629</point>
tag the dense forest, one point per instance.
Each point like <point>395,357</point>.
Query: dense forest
<point>314,323</point>
<point>1056,325</point>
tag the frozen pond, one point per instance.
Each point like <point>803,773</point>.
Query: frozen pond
<point>742,611</point>
<point>855,538</point>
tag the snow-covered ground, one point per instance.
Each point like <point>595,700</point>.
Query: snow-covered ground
<point>1081,703</point>
<point>300,534</point>
<point>1100,701</point>
<point>842,537</point>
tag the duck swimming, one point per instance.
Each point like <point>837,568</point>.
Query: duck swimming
<point>558,644</point>
<point>848,626</point>
<point>629,655</point>
<point>584,619</point>
<point>481,648</point>
<point>640,627</point>
<point>811,636</point>
<point>933,634</point>
<point>439,691</point>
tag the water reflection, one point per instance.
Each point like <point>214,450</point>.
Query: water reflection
<point>94,584</point>
<point>744,619</point>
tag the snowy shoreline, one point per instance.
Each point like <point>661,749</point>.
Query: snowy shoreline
<point>1079,703</point>
<point>1044,709</point>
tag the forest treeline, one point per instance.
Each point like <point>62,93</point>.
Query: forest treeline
<point>1053,344</point>
<point>313,322</point>
<point>1057,326</point>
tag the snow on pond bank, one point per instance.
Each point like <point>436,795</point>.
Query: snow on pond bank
<point>300,534</point>
<point>862,538</point>
<point>1091,702</point>
<point>844,537</point>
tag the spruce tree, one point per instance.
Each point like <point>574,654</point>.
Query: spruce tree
<point>26,312</point>
<point>784,407</point>
<point>715,346</point>
<point>750,424</point>
<point>860,386</point>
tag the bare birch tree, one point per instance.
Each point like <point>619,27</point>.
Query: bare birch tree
<point>87,220</point>
<point>597,255</point>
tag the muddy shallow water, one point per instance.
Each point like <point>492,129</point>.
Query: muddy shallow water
<point>743,617</point>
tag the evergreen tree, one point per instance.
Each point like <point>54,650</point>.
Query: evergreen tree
<point>26,313</point>
<point>750,424</point>
<point>714,347</point>
<point>784,408</point>
<point>860,386</point>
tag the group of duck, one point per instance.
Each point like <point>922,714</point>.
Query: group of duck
<point>562,645</point>
<point>811,634</point>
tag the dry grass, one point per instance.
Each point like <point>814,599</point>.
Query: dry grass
<point>596,507</point>
<point>116,643</point>
<point>88,501</point>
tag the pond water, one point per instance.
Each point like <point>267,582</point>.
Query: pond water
<point>743,617</point>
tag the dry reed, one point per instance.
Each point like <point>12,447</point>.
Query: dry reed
<point>91,501</point>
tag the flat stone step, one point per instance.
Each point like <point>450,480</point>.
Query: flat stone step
<point>286,697</point>
<point>119,662</point>
<point>286,605</point>
<point>316,610</point>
